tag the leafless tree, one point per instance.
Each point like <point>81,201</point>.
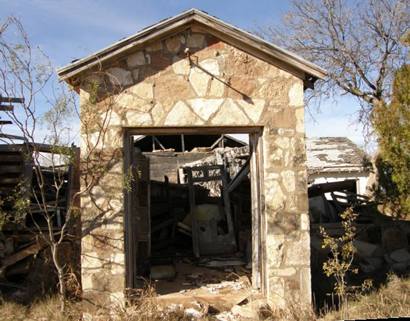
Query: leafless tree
<point>49,112</point>
<point>357,42</point>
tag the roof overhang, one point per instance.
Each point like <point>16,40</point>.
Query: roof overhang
<point>231,34</point>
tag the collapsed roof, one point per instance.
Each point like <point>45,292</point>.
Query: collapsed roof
<point>324,154</point>
<point>334,154</point>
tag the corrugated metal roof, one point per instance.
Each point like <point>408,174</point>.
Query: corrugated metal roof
<point>333,154</point>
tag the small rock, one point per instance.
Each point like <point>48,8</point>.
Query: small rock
<point>401,255</point>
<point>226,316</point>
<point>161,272</point>
<point>136,59</point>
<point>394,238</point>
<point>191,312</point>
<point>246,311</point>
<point>399,267</point>
<point>365,249</point>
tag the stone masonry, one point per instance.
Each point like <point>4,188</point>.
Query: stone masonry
<point>218,85</point>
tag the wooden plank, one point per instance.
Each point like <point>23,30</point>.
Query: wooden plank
<point>227,206</point>
<point>255,212</point>
<point>11,100</point>
<point>10,169</point>
<point>6,107</point>
<point>206,179</point>
<point>198,130</point>
<point>244,171</point>
<point>195,230</point>
<point>263,255</point>
<point>20,255</point>
<point>11,158</point>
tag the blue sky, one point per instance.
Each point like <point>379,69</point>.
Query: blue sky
<point>70,29</point>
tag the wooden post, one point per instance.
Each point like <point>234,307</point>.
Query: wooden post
<point>256,276</point>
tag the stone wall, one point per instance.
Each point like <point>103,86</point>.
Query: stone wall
<point>218,85</point>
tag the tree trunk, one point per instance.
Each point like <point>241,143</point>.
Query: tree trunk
<point>60,272</point>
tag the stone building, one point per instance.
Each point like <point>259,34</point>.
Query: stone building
<point>194,74</point>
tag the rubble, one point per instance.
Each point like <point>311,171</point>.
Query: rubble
<point>162,272</point>
<point>400,256</point>
<point>394,238</point>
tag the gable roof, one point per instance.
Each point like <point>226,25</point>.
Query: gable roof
<point>333,154</point>
<point>168,26</point>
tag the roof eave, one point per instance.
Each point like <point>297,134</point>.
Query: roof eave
<point>187,17</point>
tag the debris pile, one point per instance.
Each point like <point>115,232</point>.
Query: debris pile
<point>381,243</point>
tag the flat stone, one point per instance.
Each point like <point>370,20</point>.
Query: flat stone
<point>135,74</point>
<point>304,222</point>
<point>158,113</point>
<point>247,312</point>
<point>393,238</point>
<point>181,66</point>
<point>173,44</point>
<point>199,81</point>
<point>138,97</point>
<point>156,46</point>
<point>217,88</point>
<point>143,90</point>
<point>253,108</point>
<point>275,198</point>
<point>298,251</point>
<point>162,272</point>
<point>366,249</point>
<point>277,292</point>
<point>116,205</point>
<point>86,281</point>
<point>196,40</point>
<point>91,261</point>
<point>181,115</point>
<point>282,142</point>
<point>211,66</point>
<point>205,108</point>
<point>288,180</point>
<point>137,118</point>
<point>300,119</point>
<point>136,59</point>
<point>112,117</point>
<point>287,272</point>
<point>230,114</point>
<point>119,76</point>
<point>296,94</point>
<point>305,285</point>
<point>401,255</point>
<point>275,246</point>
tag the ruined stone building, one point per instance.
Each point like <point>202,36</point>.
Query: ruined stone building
<point>193,76</point>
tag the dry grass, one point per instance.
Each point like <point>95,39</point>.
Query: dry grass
<point>392,299</point>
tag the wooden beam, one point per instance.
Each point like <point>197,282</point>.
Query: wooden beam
<point>6,107</point>
<point>11,100</point>
<point>159,143</point>
<point>197,130</point>
<point>255,201</point>
<point>244,171</point>
<point>183,143</point>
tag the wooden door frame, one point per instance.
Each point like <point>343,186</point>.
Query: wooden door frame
<point>259,275</point>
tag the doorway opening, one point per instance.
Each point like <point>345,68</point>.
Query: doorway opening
<point>192,211</point>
